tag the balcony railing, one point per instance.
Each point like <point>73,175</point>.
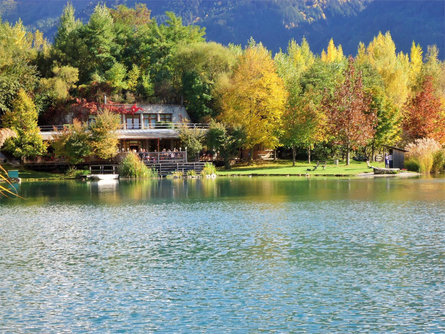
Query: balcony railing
<point>157,126</point>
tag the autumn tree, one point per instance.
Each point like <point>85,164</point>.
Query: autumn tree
<point>255,98</point>
<point>73,142</point>
<point>351,121</point>
<point>22,119</point>
<point>104,139</point>
<point>333,53</point>
<point>425,115</point>
<point>394,68</point>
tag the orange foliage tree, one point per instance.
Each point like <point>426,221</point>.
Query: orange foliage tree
<point>350,118</point>
<point>425,117</point>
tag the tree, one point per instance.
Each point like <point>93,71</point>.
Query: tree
<point>416,64</point>
<point>17,72</point>
<point>333,53</point>
<point>388,120</point>
<point>104,140</point>
<point>198,68</point>
<point>95,54</point>
<point>304,124</point>
<point>22,118</point>
<point>73,143</point>
<point>425,115</point>
<point>116,77</point>
<point>58,87</point>
<point>351,121</point>
<point>255,98</point>
<point>225,141</point>
<point>192,140</point>
<point>393,68</point>
<point>64,40</point>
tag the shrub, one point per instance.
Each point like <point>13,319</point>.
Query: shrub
<point>177,174</point>
<point>133,167</point>
<point>209,169</point>
<point>422,151</point>
<point>439,161</point>
<point>412,165</point>
<point>72,172</point>
<point>191,173</point>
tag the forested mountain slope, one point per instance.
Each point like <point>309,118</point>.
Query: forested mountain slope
<point>273,22</point>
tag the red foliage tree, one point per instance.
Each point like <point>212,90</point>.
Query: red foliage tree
<point>351,120</point>
<point>425,117</point>
<point>94,107</point>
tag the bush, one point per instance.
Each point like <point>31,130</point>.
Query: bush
<point>133,167</point>
<point>412,165</point>
<point>439,161</point>
<point>177,174</point>
<point>209,169</point>
<point>72,172</point>
<point>191,173</point>
<point>422,151</point>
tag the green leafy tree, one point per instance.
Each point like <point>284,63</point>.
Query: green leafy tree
<point>22,119</point>
<point>116,76</point>
<point>198,68</point>
<point>17,72</point>
<point>225,141</point>
<point>193,140</point>
<point>304,124</point>
<point>388,120</point>
<point>97,39</point>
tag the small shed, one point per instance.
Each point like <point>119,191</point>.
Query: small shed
<point>396,157</point>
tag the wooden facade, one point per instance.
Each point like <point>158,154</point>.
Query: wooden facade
<point>395,158</point>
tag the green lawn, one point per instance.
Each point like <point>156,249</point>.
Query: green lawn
<point>28,174</point>
<point>301,168</point>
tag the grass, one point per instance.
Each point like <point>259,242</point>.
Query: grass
<point>29,175</point>
<point>285,167</point>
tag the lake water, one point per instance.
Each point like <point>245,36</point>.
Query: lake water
<point>240,255</point>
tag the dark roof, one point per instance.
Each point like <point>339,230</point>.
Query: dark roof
<point>395,148</point>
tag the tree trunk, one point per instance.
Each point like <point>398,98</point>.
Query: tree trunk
<point>226,161</point>
<point>308,155</point>
<point>294,153</point>
<point>251,156</point>
<point>348,155</point>
<point>372,153</point>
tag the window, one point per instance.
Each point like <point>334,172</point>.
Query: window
<point>165,117</point>
<point>150,120</point>
<point>132,121</point>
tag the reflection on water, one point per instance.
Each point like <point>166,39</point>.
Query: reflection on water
<point>224,255</point>
<point>271,190</point>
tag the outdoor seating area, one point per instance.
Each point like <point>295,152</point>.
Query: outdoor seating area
<point>166,156</point>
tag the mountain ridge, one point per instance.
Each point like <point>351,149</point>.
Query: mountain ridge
<point>272,22</point>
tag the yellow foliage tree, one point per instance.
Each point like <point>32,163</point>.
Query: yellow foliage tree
<point>301,55</point>
<point>333,54</point>
<point>416,63</point>
<point>104,139</point>
<point>393,68</point>
<point>255,98</point>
